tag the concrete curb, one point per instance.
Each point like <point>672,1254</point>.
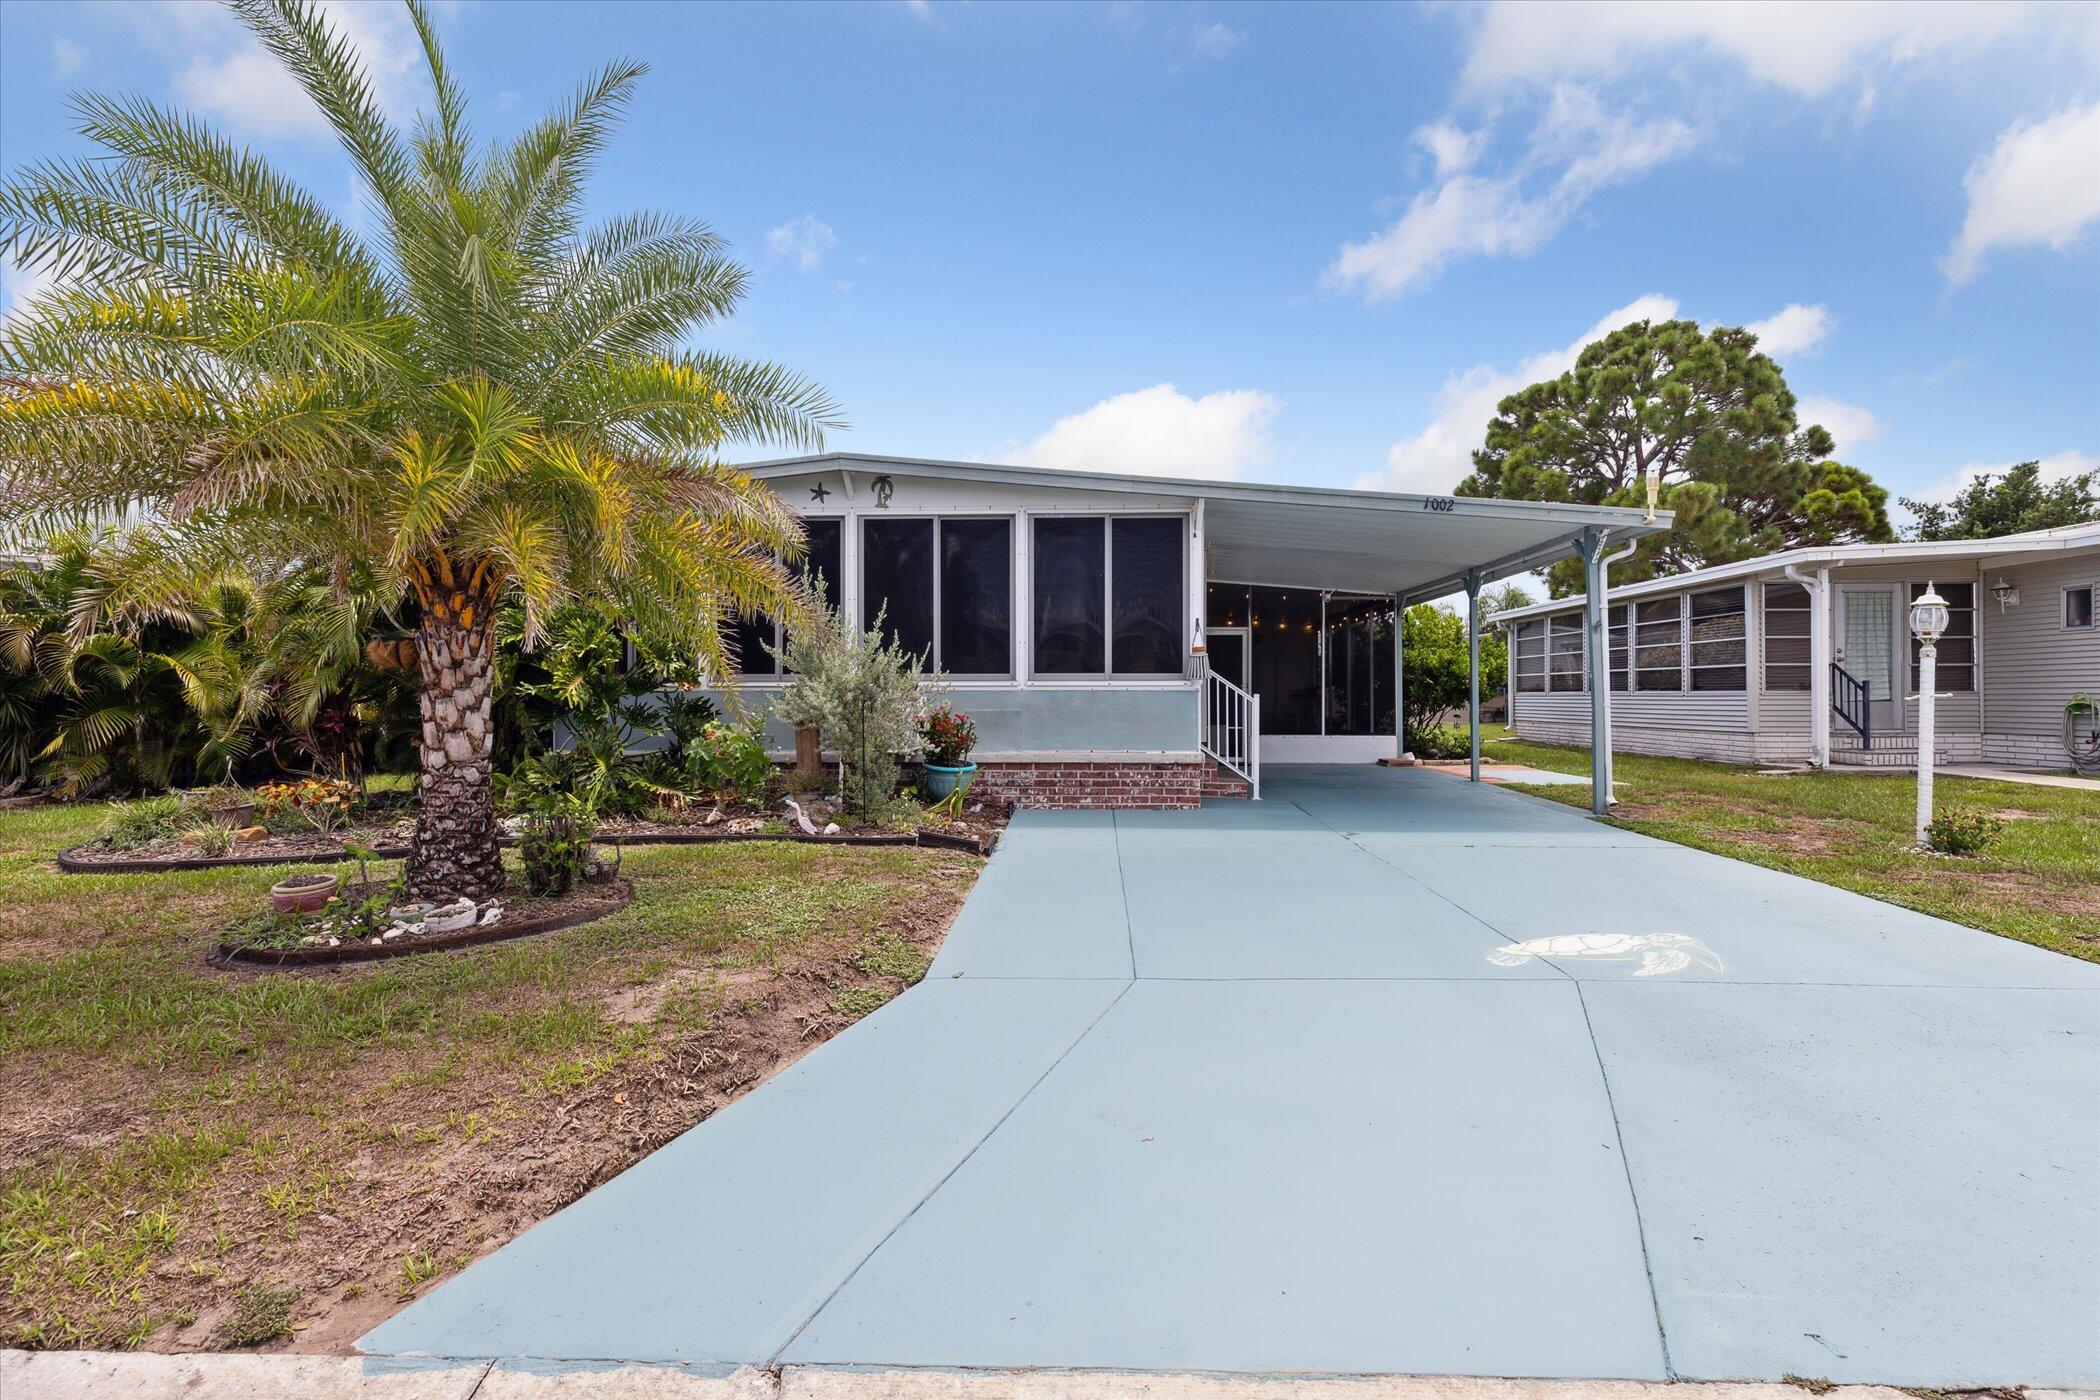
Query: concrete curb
<point>91,1375</point>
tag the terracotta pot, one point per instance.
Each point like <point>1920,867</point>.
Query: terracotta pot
<point>302,894</point>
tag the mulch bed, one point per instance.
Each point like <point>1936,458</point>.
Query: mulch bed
<point>521,919</point>
<point>977,834</point>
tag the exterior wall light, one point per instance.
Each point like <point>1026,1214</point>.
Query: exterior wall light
<point>2007,594</point>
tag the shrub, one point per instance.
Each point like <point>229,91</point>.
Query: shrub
<point>1440,741</point>
<point>863,692</point>
<point>948,736</point>
<point>1962,831</point>
<point>730,762</point>
<point>684,716</point>
<point>554,839</point>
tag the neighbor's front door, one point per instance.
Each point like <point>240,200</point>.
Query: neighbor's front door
<point>1868,648</point>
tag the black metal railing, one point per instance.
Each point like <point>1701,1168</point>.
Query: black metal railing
<point>1851,702</point>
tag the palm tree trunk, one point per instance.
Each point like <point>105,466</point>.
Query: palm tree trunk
<point>455,852</point>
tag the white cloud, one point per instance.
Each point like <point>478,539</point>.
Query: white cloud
<point>1435,459</point>
<point>67,58</point>
<point>1209,40</point>
<point>2039,186</point>
<point>806,240</point>
<point>1576,149</point>
<point>1450,145</point>
<point>19,286</point>
<point>920,9</point>
<point>1161,431</point>
<point>228,75</point>
<point>1794,329</point>
<point>1850,423</point>
<point>1809,47</point>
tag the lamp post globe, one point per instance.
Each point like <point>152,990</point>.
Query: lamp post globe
<point>1928,623</point>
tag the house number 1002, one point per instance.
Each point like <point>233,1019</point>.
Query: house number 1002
<point>1439,503</point>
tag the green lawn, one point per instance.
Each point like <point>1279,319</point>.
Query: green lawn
<point>192,1157</point>
<point>2038,882</point>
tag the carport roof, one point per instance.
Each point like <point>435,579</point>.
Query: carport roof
<point>1313,536</point>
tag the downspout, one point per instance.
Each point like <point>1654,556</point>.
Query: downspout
<point>1601,718</point>
<point>1818,588</point>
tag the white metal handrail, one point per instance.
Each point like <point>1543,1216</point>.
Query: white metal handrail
<point>1228,726</point>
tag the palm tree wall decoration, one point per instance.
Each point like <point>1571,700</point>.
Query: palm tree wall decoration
<point>480,399</point>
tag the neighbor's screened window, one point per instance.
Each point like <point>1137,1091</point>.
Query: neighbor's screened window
<point>896,581</point>
<point>1111,595</point>
<point>820,561</point>
<point>976,600</point>
<point>1658,644</point>
<point>1616,651</point>
<point>1564,652</point>
<point>1957,650</point>
<point>1720,640</point>
<point>1787,615</point>
<point>2078,606</point>
<point>1527,648</point>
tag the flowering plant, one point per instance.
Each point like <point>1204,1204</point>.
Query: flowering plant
<point>323,803</point>
<point>948,736</point>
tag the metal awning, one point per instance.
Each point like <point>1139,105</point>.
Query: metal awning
<point>1380,542</point>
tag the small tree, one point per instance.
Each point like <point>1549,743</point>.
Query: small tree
<point>1434,664</point>
<point>866,694</point>
<point>2010,504</point>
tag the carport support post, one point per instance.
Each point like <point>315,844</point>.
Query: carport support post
<point>1473,667</point>
<point>1593,614</point>
<point>1399,679</point>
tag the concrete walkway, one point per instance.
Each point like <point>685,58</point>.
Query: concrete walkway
<point>1385,1074</point>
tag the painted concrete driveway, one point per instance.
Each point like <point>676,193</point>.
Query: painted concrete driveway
<point>1386,1073</point>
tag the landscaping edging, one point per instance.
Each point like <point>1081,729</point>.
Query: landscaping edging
<point>72,864</point>
<point>618,897</point>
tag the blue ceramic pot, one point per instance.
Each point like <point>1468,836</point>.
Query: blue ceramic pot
<point>940,779</point>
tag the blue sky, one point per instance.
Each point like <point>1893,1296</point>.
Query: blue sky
<point>1303,243</point>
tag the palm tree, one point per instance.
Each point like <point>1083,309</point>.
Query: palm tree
<point>476,397</point>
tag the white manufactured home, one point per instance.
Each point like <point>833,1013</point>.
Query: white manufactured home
<point>1145,641</point>
<point>1805,656</point>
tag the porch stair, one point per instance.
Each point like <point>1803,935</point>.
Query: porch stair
<point>1889,751</point>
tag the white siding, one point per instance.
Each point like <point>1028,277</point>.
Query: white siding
<point>2033,663</point>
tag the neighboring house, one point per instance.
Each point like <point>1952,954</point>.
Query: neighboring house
<point>1806,656</point>
<point>1142,641</point>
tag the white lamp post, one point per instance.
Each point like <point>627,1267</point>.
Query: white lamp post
<point>1928,621</point>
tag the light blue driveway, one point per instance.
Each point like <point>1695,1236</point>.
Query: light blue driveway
<point>1385,1073</point>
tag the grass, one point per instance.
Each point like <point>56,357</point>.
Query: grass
<point>2037,881</point>
<point>180,1146</point>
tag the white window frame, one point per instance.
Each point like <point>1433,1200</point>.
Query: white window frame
<point>1633,648</point>
<point>1013,590</point>
<point>1108,601</point>
<point>1764,629</point>
<point>1690,646</point>
<point>780,674</point>
<point>2063,609</point>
